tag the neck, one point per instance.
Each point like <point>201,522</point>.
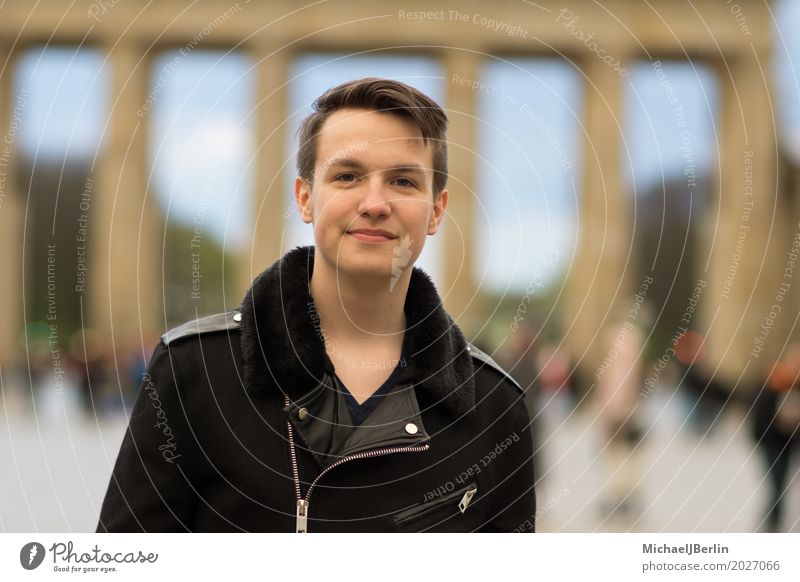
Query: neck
<point>358,310</point>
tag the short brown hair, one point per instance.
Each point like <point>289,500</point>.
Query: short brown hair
<point>385,96</point>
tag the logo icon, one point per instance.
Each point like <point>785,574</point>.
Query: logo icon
<point>31,555</point>
<point>402,256</point>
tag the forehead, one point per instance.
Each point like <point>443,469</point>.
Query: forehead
<point>361,133</point>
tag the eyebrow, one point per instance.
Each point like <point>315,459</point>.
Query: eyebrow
<point>355,164</point>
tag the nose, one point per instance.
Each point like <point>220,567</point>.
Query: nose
<point>375,200</point>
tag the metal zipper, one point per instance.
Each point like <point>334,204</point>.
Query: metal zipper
<point>301,520</point>
<point>295,470</point>
<point>463,498</point>
<point>467,499</point>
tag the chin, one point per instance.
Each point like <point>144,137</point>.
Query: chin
<point>366,264</point>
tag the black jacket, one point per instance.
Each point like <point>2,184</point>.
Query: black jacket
<point>235,428</point>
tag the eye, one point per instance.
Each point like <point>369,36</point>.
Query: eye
<point>405,182</point>
<point>346,178</point>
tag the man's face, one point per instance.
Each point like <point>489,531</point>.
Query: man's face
<point>371,201</point>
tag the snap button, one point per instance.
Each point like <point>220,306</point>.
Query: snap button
<point>411,428</point>
<point>237,317</point>
<point>302,414</point>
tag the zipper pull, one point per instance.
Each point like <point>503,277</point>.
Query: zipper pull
<point>467,499</point>
<point>302,516</point>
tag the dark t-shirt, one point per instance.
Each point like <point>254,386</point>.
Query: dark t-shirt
<point>360,412</point>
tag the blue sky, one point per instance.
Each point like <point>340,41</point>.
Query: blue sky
<point>529,174</point>
<point>528,179</point>
<point>655,133</point>
<point>201,142</point>
<point>64,91</point>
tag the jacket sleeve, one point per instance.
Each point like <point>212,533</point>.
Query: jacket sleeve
<point>149,490</point>
<point>514,504</point>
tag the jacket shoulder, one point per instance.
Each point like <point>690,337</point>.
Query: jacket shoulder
<point>485,358</point>
<point>226,321</point>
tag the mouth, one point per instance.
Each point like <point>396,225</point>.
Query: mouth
<point>371,236</point>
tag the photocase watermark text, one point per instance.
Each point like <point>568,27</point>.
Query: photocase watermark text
<point>783,288</point>
<point>569,20</point>
<point>6,148</point>
<point>81,237</point>
<point>486,22</point>
<point>530,523</point>
<point>100,8</point>
<point>52,320</point>
<point>169,447</point>
<point>741,20</point>
<point>526,110</point>
<point>686,150</point>
<point>550,261</point>
<point>194,243</point>
<point>661,364</point>
<point>342,357</point>
<point>744,226</point>
<point>627,325</point>
<point>472,471</point>
<point>184,51</point>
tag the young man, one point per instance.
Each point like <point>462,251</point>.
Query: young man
<point>340,396</point>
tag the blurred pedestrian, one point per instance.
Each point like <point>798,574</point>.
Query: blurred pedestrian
<point>776,428</point>
<point>616,400</point>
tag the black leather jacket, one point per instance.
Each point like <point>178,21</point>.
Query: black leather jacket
<point>235,428</point>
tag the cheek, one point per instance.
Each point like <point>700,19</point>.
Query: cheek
<point>330,215</point>
<point>421,216</point>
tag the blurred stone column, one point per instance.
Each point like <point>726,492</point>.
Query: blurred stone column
<point>746,236</point>
<point>460,294</point>
<point>596,279</point>
<point>269,221</point>
<point>124,229</point>
<point>11,217</point>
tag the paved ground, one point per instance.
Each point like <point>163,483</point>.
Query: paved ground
<point>55,463</point>
<point>682,482</point>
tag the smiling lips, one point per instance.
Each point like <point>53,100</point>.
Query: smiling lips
<point>371,236</point>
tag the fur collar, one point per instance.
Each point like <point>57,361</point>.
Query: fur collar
<point>283,350</point>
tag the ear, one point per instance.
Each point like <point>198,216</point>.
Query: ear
<point>302,196</point>
<point>439,205</point>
